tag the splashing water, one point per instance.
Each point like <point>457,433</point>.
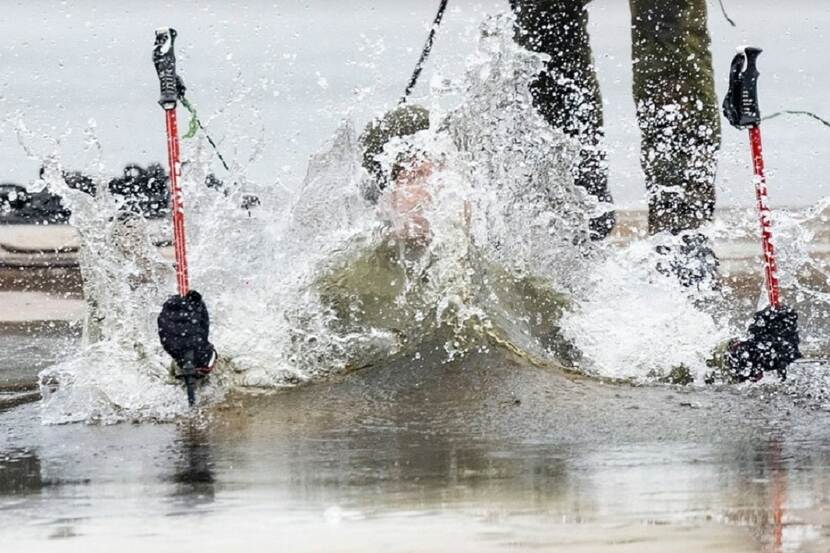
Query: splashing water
<point>322,281</point>
<point>503,211</point>
<point>634,323</point>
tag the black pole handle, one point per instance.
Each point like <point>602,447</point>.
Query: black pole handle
<point>741,106</point>
<point>164,58</point>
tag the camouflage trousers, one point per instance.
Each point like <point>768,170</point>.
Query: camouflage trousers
<point>673,89</point>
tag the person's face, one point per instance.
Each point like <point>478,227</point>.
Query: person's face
<point>409,196</point>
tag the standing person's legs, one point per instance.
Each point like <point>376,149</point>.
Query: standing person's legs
<point>677,111</point>
<point>567,94</point>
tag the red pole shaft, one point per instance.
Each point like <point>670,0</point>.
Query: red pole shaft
<point>770,268</point>
<point>179,243</point>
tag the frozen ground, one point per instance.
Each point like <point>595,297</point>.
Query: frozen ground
<point>486,455</point>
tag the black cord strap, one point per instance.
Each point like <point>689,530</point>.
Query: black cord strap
<point>426,51</point>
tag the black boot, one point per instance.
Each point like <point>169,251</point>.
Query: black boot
<point>693,262</point>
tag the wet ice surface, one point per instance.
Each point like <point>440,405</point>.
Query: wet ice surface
<point>25,353</point>
<point>484,455</point>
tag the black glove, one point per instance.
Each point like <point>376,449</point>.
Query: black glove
<point>771,346</point>
<point>184,326</point>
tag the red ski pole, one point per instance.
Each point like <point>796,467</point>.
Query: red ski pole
<point>770,268</point>
<point>742,110</point>
<point>179,242</point>
<point>164,59</point>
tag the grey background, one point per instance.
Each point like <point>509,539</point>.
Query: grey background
<point>279,76</point>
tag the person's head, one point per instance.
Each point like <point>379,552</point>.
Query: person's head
<point>401,122</point>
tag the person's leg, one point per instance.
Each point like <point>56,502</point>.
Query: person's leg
<point>677,111</point>
<point>567,94</point>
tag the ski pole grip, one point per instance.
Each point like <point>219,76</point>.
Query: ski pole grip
<point>164,58</point>
<point>741,106</point>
